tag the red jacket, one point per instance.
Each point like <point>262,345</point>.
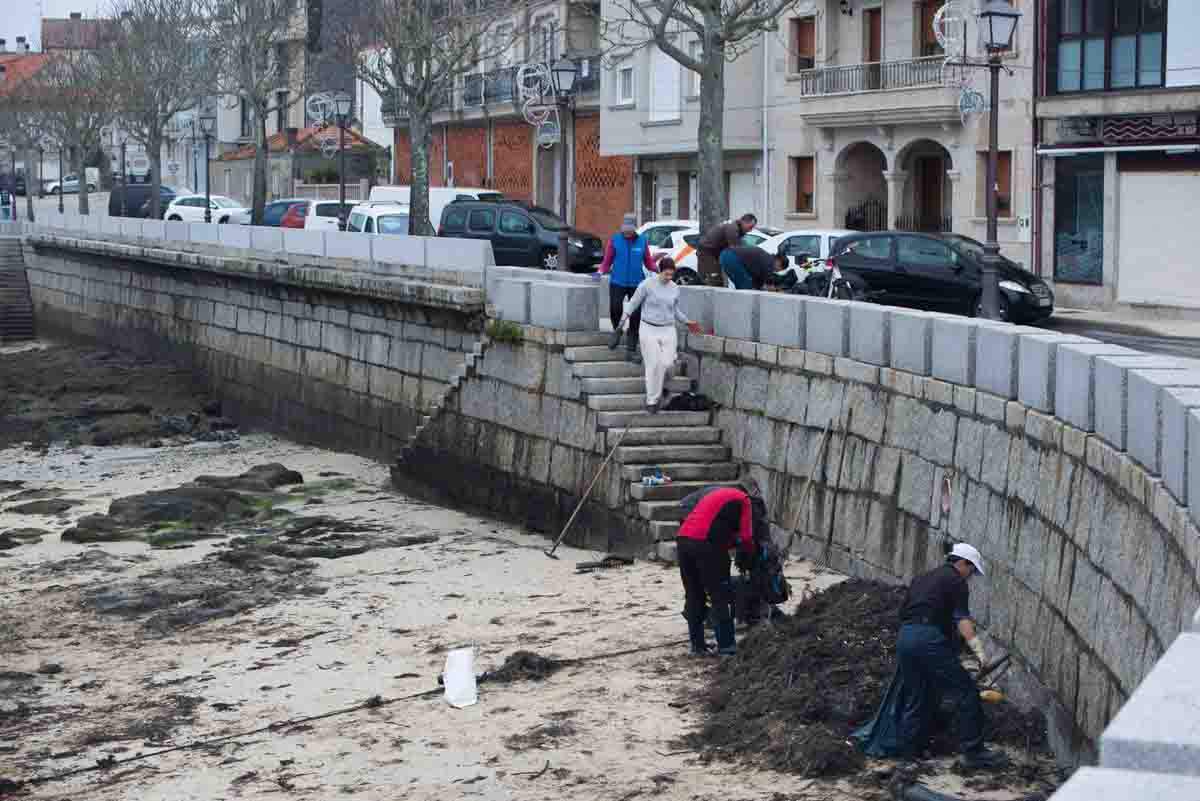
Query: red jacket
<point>722,516</point>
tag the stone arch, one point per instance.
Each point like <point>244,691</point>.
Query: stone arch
<point>924,195</point>
<point>860,192</point>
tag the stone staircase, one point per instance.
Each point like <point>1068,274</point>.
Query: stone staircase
<point>685,445</point>
<point>16,309</point>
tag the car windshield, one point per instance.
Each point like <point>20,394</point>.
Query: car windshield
<point>392,223</point>
<point>225,203</point>
<point>971,247</point>
<point>547,218</point>
<point>356,221</point>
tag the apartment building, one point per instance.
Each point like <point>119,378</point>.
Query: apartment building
<point>1119,136</point>
<point>481,137</point>
<point>866,127</point>
<point>651,112</point>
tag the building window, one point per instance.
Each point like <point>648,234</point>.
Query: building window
<point>927,43</point>
<point>624,88</point>
<point>803,55</point>
<point>1004,198</point>
<point>665,90</point>
<point>544,45</point>
<point>1110,44</point>
<point>696,53</point>
<point>247,117</point>
<point>804,195</point>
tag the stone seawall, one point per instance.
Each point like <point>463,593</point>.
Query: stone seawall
<point>325,355</point>
<point>1091,566</point>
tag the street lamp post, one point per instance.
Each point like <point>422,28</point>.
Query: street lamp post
<point>42,171</point>
<point>195,172</point>
<point>208,123</point>
<point>564,72</point>
<point>124,184</point>
<point>342,103</point>
<point>999,21</point>
<point>60,179</point>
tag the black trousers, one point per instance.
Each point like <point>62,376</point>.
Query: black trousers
<point>929,669</point>
<point>704,568</point>
<point>616,306</point>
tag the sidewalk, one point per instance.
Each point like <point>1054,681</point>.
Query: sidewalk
<point>1129,324</point>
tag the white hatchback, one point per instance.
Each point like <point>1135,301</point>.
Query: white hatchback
<point>811,244</point>
<point>190,208</point>
<point>658,235</point>
<point>384,217</point>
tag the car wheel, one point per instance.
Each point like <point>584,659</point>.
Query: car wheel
<point>56,190</point>
<point>549,259</point>
<point>174,218</point>
<point>845,289</point>
<point>1004,316</point>
<point>91,187</point>
<point>222,221</point>
<point>686,277</point>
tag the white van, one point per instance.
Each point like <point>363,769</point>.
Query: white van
<point>439,198</point>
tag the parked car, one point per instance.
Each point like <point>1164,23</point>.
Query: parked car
<point>439,197</point>
<point>137,200</point>
<point>190,208</point>
<point>379,217</point>
<point>274,211</point>
<point>804,245</point>
<point>68,185</point>
<point>12,186</point>
<point>658,234</point>
<point>685,242</point>
<point>936,273</point>
<point>521,235</point>
<point>314,215</point>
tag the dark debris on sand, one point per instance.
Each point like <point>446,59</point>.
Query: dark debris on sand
<point>524,666</point>
<point>798,687</point>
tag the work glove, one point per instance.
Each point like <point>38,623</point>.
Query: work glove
<point>976,646</point>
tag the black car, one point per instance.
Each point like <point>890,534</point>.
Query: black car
<point>936,272</point>
<point>134,200</point>
<point>521,235</point>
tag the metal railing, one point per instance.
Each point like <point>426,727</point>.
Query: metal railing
<point>874,77</point>
<point>924,223</point>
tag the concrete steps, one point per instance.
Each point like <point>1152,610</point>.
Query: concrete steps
<point>618,403</point>
<point>678,435</point>
<point>660,510</point>
<point>594,353</point>
<point>16,308</point>
<point>685,471</point>
<point>620,369</point>
<point>674,491</point>
<point>655,455</point>
<point>664,530</point>
<point>643,419</point>
<point>619,386</point>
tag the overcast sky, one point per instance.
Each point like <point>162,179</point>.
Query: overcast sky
<point>23,17</point>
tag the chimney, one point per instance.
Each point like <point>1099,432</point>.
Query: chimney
<point>76,15</point>
<point>22,45</point>
<point>3,45</point>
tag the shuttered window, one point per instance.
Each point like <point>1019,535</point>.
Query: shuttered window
<point>665,87</point>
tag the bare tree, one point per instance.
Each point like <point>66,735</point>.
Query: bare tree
<point>75,103</point>
<point>724,29</point>
<point>155,59</point>
<point>249,48</point>
<point>414,53</point>
<point>20,128</point>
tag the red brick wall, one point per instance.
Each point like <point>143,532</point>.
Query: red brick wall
<point>512,159</point>
<point>402,147</point>
<point>468,150</point>
<point>603,184</point>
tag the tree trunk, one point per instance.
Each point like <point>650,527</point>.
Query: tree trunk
<point>259,201</point>
<point>155,154</point>
<point>710,136</point>
<point>420,130</point>
<point>29,152</point>
<point>81,171</point>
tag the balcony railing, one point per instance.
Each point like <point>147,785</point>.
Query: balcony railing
<point>874,77</point>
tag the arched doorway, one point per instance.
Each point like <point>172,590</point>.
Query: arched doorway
<point>861,197</point>
<point>927,199</point>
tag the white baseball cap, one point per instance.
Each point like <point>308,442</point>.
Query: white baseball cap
<point>963,551</point>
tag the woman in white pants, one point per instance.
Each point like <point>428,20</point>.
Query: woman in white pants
<point>658,298</point>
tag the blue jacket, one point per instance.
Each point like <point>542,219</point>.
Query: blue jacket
<point>628,259</point>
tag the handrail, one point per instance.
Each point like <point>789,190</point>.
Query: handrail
<point>870,77</point>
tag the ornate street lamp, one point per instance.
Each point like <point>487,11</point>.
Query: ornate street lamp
<point>342,103</point>
<point>563,74</point>
<point>60,179</point>
<point>208,123</point>
<point>998,21</point>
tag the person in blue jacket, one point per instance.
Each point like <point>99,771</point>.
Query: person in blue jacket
<point>624,257</point>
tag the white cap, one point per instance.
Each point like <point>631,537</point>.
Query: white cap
<point>963,551</point>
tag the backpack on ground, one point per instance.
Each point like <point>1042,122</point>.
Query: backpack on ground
<point>688,402</point>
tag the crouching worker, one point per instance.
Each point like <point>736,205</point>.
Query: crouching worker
<point>936,609</point>
<point>718,520</point>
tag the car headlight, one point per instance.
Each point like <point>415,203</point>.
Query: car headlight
<point>1013,286</point>
<point>576,243</point>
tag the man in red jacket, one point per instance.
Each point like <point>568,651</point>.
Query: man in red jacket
<point>718,520</point>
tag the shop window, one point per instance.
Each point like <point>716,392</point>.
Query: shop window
<point>803,44</point>
<point>1004,198</point>
<point>803,181</point>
